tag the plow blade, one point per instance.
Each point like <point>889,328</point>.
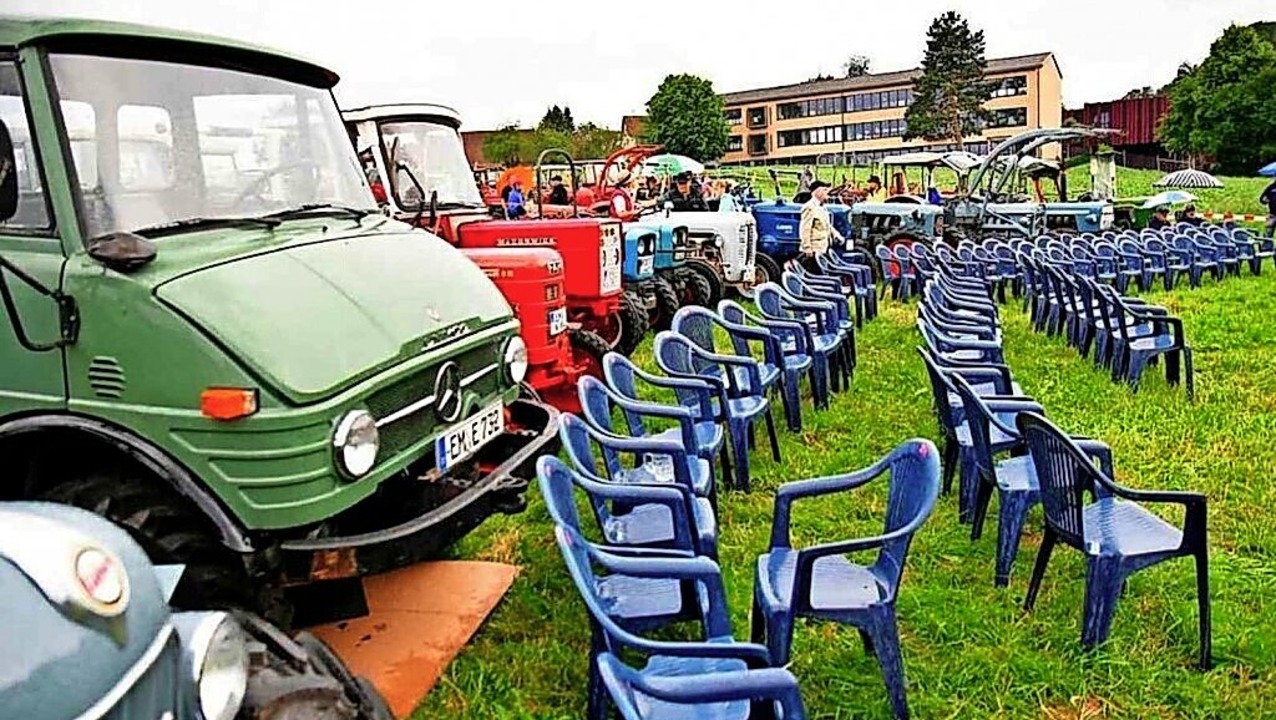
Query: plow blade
<point>418,619</point>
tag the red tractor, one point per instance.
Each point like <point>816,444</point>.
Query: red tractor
<point>558,354</point>
<point>433,187</point>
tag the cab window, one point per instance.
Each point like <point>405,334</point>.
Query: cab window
<point>33,211</point>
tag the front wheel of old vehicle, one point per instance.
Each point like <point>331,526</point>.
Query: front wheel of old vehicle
<point>695,289</point>
<point>765,270</point>
<point>588,350</point>
<point>661,316</point>
<point>633,323</point>
<point>171,531</point>
<point>711,278</point>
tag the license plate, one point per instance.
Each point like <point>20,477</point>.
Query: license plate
<point>465,439</point>
<point>557,321</point>
<point>646,265</point>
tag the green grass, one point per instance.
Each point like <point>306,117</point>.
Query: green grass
<point>1239,194</point>
<point>969,649</point>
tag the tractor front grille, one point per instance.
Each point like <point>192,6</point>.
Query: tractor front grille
<point>149,688</point>
<point>748,234</point>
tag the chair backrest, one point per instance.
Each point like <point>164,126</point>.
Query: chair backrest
<point>597,404</point>
<point>914,488</point>
<point>555,480</point>
<point>939,388</point>
<point>1065,475</point>
<point>696,324</point>
<point>979,420</point>
<point>578,440</point>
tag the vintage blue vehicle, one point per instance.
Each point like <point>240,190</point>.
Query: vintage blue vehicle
<point>900,218</point>
<point>778,241</point>
<point>691,284</point>
<point>89,634</point>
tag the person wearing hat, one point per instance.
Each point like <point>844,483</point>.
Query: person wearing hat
<point>816,227</point>
<point>1190,217</point>
<point>622,205</point>
<point>1160,218</point>
<point>875,193</point>
<point>684,195</point>
<point>558,192</point>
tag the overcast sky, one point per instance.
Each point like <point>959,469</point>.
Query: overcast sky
<point>499,61</point>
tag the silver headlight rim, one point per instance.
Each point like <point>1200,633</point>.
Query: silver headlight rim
<point>201,646</point>
<point>514,358</point>
<point>341,443</point>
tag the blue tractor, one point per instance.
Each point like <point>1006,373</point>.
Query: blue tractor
<point>89,634</point>
<point>690,284</point>
<point>778,241</point>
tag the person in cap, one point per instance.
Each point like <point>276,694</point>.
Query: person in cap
<point>1190,217</point>
<point>650,191</point>
<point>815,231</point>
<point>558,192</point>
<point>875,192</point>
<point>1160,218</point>
<point>685,196</point>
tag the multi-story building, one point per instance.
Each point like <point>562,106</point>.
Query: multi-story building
<point>861,119</point>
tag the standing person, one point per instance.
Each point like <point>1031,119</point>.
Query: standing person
<point>558,191</point>
<point>515,202</point>
<point>816,227</point>
<point>1268,198</point>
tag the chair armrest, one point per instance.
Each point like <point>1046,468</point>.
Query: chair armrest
<point>775,684</point>
<point>756,656</point>
<point>792,491</point>
<point>1098,450</point>
<point>749,364</point>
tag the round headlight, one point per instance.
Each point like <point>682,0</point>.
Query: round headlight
<point>220,651</point>
<point>516,359</point>
<point>356,442</point>
<point>717,241</point>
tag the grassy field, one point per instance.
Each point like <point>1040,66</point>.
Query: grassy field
<point>1239,194</point>
<point>969,649</point>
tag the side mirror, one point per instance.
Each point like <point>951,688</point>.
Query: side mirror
<point>8,175</point>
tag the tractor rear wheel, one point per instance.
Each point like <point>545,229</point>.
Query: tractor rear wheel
<point>633,323</point>
<point>661,316</point>
<point>695,289</point>
<point>171,532</point>
<point>711,277</point>
<point>765,270</point>
<point>588,349</point>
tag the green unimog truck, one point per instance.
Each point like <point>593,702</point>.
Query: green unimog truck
<point>212,337</point>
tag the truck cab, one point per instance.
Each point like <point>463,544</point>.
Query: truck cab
<point>214,338</point>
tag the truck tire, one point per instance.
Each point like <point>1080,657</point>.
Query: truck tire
<point>588,349</point>
<point>711,277</point>
<point>765,270</point>
<point>633,324</point>
<point>170,531</point>
<point>661,316</point>
<point>695,289</point>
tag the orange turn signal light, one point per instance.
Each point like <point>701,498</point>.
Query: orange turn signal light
<point>227,403</point>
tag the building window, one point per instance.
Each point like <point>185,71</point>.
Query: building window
<point>757,144</point>
<point>810,136</point>
<point>735,143</point>
<point>734,115</point>
<point>1013,117</point>
<point>1104,120</point>
<point>1009,87</point>
<point>880,100</point>
<point>757,117</point>
<point>876,129</point>
<point>809,108</point>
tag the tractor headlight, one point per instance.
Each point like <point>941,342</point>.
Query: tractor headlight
<point>220,653</point>
<point>356,442</point>
<point>718,241</point>
<point>516,359</point>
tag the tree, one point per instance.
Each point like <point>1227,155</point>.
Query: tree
<point>855,66</point>
<point>949,97</point>
<point>1221,111</point>
<point>685,115</point>
<point>1266,30</point>
<point>505,146</point>
<point>591,142</point>
<point>559,119</point>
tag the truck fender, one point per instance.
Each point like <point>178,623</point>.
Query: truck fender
<point>156,461</point>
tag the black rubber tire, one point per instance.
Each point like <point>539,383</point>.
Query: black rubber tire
<point>589,343</point>
<point>661,316</point>
<point>372,706</point>
<point>170,530</point>
<point>717,288</point>
<point>695,289</point>
<point>633,324</point>
<point>765,269</point>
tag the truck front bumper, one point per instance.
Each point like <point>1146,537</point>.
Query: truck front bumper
<point>494,480</point>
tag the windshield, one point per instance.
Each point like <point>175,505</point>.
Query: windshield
<point>436,157</point>
<point>156,143</point>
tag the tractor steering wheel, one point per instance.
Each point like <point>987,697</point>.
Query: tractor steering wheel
<point>255,187</point>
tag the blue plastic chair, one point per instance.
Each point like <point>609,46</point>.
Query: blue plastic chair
<point>1176,262</point>
<point>820,582</point>
<point>789,338</point>
<point>860,278</point>
<point>639,510</point>
<point>740,402</point>
<point>800,288</point>
<point>892,278</point>
<point>700,439</point>
<point>820,319</point>
<point>1264,248</point>
<point>641,594</point>
<point>1014,478</point>
<point>623,376</point>
<point>1113,530</point>
<point>717,692</point>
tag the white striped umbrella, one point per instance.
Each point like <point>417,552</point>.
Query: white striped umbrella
<point>1188,179</point>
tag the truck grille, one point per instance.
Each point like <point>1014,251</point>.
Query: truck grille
<point>405,409</point>
<point>154,689</point>
<point>748,234</point>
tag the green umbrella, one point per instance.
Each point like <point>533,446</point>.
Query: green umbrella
<point>671,164</point>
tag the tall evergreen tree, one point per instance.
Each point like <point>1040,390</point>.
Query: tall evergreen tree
<point>558,119</point>
<point>949,97</point>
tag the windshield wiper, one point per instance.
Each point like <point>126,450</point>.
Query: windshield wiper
<point>201,223</point>
<point>316,208</point>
